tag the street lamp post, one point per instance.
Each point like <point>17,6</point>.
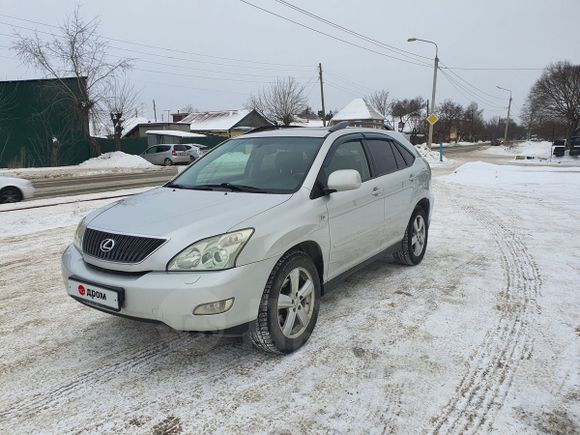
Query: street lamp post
<point>505,135</point>
<point>436,66</point>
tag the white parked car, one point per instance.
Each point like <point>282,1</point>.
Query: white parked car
<point>15,189</point>
<point>251,236</point>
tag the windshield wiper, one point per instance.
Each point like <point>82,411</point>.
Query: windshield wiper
<point>176,186</point>
<point>231,187</point>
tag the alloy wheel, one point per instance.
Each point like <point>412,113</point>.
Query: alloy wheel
<point>296,302</point>
<point>418,235</point>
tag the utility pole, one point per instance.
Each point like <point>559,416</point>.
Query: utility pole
<point>435,68</point>
<point>154,111</point>
<point>322,94</point>
<point>507,123</point>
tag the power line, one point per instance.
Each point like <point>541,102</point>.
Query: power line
<point>462,89</point>
<point>156,47</point>
<point>472,85</point>
<point>332,36</point>
<point>494,68</point>
<point>384,45</point>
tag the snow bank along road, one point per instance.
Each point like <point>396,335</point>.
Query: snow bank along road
<point>483,336</point>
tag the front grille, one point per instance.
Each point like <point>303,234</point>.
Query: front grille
<point>126,249</point>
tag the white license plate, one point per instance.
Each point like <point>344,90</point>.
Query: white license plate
<point>95,294</point>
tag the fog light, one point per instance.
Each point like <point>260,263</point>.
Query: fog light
<point>214,307</point>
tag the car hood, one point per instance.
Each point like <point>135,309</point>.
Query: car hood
<point>166,212</point>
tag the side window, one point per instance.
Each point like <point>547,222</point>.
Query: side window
<point>401,163</point>
<point>163,148</point>
<point>151,150</point>
<point>382,155</point>
<point>405,153</point>
<point>349,155</point>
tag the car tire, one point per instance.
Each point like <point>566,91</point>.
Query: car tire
<point>10,194</point>
<point>289,305</point>
<point>167,162</point>
<point>414,242</point>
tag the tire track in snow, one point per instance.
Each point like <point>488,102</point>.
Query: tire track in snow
<point>483,388</point>
<point>45,400</point>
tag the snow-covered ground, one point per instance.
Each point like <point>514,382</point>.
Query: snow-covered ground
<point>534,153</point>
<point>454,144</point>
<point>483,336</point>
<point>432,156</point>
<point>116,162</point>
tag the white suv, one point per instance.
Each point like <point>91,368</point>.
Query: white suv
<point>250,236</point>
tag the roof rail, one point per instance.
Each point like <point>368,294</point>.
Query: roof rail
<point>270,127</point>
<point>338,126</point>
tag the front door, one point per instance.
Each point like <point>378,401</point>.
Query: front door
<point>355,217</point>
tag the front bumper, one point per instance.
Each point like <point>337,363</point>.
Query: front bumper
<point>171,297</point>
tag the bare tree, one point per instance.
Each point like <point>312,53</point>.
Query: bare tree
<point>408,110</point>
<point>380,101</point>
<point>120,100</point>
<point>77,51</point>
<point>556,95</point>
<point>281,102</point>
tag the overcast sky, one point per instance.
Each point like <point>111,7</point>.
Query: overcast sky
<point>207,34</point>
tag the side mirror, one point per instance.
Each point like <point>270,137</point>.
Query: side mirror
<point>342,180</point>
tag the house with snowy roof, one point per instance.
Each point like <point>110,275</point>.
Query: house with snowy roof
<point>359,113</point>
<point>225,123</point>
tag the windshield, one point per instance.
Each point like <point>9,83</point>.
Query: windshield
<point>261,165</point>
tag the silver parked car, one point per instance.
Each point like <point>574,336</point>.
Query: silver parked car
<point>252,235</point>
<point>167,154</point>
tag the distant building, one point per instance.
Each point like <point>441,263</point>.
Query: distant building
<point>359,114</point>
<point>225,123</point>
<point>138,127</point>
<point>156,137</point>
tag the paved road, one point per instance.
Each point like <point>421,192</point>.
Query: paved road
<point>100,183</point>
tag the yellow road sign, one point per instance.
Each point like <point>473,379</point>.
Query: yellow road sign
<point>432,119</point>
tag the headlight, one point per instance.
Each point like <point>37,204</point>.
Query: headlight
<point>214,253</point>
<point>79,234</point>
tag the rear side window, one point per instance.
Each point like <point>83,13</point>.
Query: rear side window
<point>401,163</point>
<point>404,152</point>
<point>382,155</point>
<point>163,148</point>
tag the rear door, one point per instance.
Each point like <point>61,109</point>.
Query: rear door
<point>356,217</point>
<point>396,182</point>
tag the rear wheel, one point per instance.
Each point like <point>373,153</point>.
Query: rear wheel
<point>10,194</point>
<point>289,306</point>
<point>168,162</point>
<point>414,243</point>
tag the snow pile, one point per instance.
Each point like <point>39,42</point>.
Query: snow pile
<point>535,149</point>
<point>533,153</point>
<point>116,159</point>
<point>431,156</point>
<point>507,177</point>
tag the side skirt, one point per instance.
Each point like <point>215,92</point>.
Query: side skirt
<point>337,280</point>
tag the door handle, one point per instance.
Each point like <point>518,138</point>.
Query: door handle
<point>377,191</point>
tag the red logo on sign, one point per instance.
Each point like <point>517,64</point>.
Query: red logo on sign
<point>82,290</point>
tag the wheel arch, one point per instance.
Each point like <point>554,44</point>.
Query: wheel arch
<point>313,250</point>
<point>425,205</point>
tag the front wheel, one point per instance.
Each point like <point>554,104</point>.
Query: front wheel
<point>289,306</point>
<point>414,242</point>
<point>10,194</point>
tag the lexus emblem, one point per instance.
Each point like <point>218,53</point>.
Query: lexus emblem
<point>107,245</point>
